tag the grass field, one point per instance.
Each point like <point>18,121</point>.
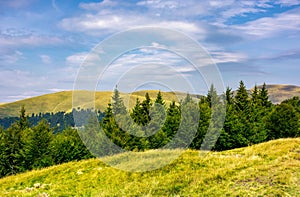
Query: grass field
<point>267,169</point>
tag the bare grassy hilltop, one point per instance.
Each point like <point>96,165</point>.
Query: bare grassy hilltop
<point>62,101</point>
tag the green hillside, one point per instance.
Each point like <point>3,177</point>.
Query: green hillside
<point>62,101</point>
<point>267,169</point>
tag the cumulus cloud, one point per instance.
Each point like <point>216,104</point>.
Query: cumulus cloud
<point>76,59</point>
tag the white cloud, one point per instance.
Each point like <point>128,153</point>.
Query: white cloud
<point>56,89</point>
<point>45,59</point>
<point>158,4</point>
<point>76,59</point>
<point>106,22</point>
<point>225,56</point>
<point>28,41</point>
<point>288,2</point>
<point>270,26</point>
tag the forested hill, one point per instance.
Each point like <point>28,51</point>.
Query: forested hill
<point>62,101</point>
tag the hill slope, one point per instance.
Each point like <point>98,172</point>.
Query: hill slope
<point>271,169</point>
<point>62,101</point>
<point>278,93</point>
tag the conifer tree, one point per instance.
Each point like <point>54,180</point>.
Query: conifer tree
<point>229,96</point>
<point>212,96</point>
<point>23,120</point>
<point>205,116</point>
<point>254,95</point>
<point>118,106</point>
<point>39,146</point>
<point>283,122</point>
<point>159,99</point>
<point>146,104</point>
<point>241,98</point>
<point>264,97</point>
<point>172,120</point>
<point>137,113</point>
<point>13,155</point>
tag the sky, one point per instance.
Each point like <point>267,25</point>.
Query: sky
<point>44,43</point>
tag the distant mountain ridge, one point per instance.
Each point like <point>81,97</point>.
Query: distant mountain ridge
<point>279,93</point>
<point>62,101</point>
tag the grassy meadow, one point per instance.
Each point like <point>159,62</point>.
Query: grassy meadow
<point>267,169</point>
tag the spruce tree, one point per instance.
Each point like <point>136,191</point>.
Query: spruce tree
<point>118,106</point>
<point>159,99</point>
<point>283,122</point>
<point>212,96</point>
<point>39,147</point>
<point>229,96</point>
<point>172,120</point>
<point>205,116</point>
<point>146,104</point>
<point>264,97</point>
<point>137,113</point>
<point>12,142</point>
<point>241,98</point>
<point>23,120</point>
<point>254,95</point>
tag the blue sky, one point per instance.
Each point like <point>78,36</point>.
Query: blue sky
<point>44,42</point>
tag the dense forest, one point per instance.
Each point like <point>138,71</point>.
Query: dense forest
<point>37,141</point>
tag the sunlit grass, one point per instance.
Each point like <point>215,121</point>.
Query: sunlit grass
<point>268,169</point>
<point>62,101</point>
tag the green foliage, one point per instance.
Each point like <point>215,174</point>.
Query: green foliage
<point>159,99</point>
<point>241,99</point>
<point>137,113</point>
<point>250,119</point>
<point>23,121</point>
<point>283,122</point>
<point>173,120</point>
<point>67,146</point>
<point>118,106</point>
<point>264,97</point>
<point>204,119</point>
<point>38,146</point>
<point>12,155</point>
<point>229,96</point>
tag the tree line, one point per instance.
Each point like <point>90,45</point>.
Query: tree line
<point>57,121</point>
<point>250,118</point>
